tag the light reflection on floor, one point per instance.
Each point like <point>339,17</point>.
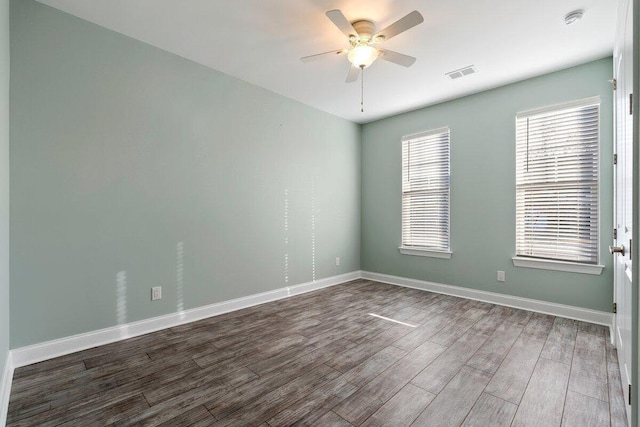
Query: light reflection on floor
<point>392,320</point>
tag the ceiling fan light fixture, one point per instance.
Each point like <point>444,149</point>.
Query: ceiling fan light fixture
<point>362,55</point>
<point>361,35</point>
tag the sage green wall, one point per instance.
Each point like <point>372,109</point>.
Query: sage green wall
<point>133,167</point>
<point>483,190</point>
<point>4,186</point>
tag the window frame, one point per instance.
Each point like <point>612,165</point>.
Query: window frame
<point>427,251</point>
<point>557,264</point>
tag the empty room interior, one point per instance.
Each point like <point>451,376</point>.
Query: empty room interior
<point>210,218</point>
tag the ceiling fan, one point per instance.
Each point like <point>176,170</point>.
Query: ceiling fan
<point>364,40</point>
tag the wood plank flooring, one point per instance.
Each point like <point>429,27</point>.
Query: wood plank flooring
<point>322,359</point>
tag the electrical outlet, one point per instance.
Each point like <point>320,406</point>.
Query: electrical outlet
<point>156,293</point>
<point>337,260</point>
<point>500,276</point>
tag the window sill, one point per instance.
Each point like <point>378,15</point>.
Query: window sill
<point>547,264</point>
<point>406,250</point>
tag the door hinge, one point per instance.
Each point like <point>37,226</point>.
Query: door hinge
<point>630,104</point>
<point>629,394</point>
<point>615,234</point>
<point>614,83</point>
<point>615,307</point>
<point>630,249</point>
<point>615,159</point>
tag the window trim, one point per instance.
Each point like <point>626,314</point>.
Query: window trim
<point>550,264</point>
<point>560,106</point>
<point>430,253</point>
<point>562,265</point>
<point>426,251</point>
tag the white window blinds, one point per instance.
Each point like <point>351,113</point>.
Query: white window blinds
<point>557,182</point>
<point>426,190</point>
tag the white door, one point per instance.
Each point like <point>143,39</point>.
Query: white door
<point>623,194</point>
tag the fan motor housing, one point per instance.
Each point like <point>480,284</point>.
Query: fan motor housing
<point>365,29</point>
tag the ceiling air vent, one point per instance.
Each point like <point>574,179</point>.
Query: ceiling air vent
<point>461,72</point>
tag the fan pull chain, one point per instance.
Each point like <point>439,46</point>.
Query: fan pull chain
<point>362,91</point>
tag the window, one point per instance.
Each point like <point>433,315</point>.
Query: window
<point>425,194</point>
<point>557,185</point>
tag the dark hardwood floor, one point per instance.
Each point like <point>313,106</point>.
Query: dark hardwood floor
<point>324,359</point>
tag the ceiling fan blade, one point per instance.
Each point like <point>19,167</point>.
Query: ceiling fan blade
<point>353,74</point>
<point>341,22</point>
<point>401,25</point>
<point>396,58</point>
<point>319,56</point>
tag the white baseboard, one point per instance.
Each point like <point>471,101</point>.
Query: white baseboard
<point>38,352</point>
<point>560,310</point>
<point>5,389</point>
<point>47,350</point>
<point>24,356</point>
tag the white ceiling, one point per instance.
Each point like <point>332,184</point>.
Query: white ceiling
<point>261,41</point>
